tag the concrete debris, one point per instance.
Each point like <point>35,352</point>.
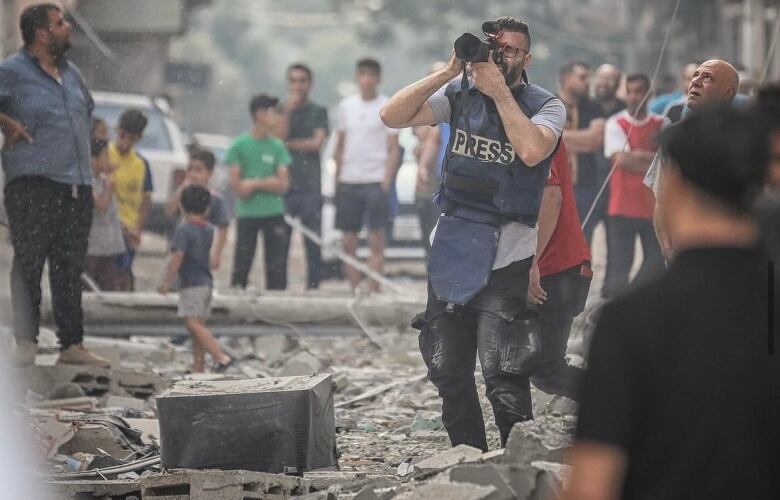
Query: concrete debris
<point>66,391</point>
<point>95,382</point>
<point>449,491</point>
<point>404,469</point>
<point>484,475</point>
<point>123,402</point>
<point>275,348</point>
<point>221,485</point>
<point>302,363</point>
<point>97,489</point>
<point>493,456</point>
<point>75,404</point>
<point>460,454</point>
<point>387,423</point>
<point>543,439</point>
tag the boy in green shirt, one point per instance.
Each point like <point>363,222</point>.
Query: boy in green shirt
<point>259,176</point>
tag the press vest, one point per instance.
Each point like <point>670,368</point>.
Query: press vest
<point>485,173</point>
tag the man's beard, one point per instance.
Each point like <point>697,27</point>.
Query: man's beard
<point>58,50</point>
<point>512,74</point>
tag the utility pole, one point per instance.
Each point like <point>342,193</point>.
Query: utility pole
<point>753,34</point>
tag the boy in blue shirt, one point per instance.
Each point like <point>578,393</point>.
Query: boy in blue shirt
<point>190,251</point>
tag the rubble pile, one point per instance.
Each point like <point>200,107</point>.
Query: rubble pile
<point>99,431</point>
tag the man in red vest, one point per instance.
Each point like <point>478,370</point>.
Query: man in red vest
<point>559,278</point>
<point>630,144</point>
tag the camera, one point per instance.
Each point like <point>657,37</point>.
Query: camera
<point>469,48</point>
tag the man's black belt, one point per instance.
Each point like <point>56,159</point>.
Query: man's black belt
<point>486,187</point>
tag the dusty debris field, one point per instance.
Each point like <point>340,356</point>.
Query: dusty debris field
<point>389,435</point>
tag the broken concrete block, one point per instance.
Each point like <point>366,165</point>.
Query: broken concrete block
<point>273,349</point>
<point>96,488</point>
<point>149,428</point>
<point>404,469</point>
<point>347,481</point>
<point>460,454</point>
<point>366,494</point>
<point>270,425</point>
<point>483,475</point>
<point>550,479</point>
<point>95,382</point>
<point>543,439</point>
<point>548,487</point>
<point>66,391</point>
<point>123,402</point>
<point>221,485</point>
<point>302,363</point>
<point>448,491</point>
<point>340,382</point>
<point>493,455</point>
<point>96,439</point>
<point>74,404</point>
<point>520,478</point>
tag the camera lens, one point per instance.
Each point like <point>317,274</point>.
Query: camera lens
<point>467,46</point>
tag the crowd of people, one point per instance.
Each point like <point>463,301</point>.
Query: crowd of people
<point>512,181</point>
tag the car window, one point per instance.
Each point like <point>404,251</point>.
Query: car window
<point>155,137</point>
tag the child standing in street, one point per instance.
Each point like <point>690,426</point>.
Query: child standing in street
<point>200,168</point>
<point>106,243</point>
<point>133,188</point>
<point>190,255</point>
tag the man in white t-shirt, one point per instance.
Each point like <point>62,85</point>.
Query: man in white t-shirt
<point>367,158</point>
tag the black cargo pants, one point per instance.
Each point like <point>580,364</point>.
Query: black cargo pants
<point>491,324</point>
<point>48,221</point>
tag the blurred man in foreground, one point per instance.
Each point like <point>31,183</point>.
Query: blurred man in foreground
<point>680,397</point>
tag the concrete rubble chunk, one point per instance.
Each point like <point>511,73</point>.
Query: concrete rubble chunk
<point>458,455</point>
<point>221,485</point>
<point>95,382</point>
<point>96,489</point>
<point>66,391</point>
<point>549,480</point>
<point>448,491</point>
<point>543,439</point>
<point>366,494</point>
<point>273,349</point>
<point>348,481</point>
<point>301,364</point>
<point>548,487</point>
<point>483,475</point>
<point>493,455</point>
<point>123,402</point>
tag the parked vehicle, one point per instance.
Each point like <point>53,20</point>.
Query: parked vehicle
<point>163,145</point>
<point>405,241</point>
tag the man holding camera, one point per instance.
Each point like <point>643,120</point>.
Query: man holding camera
<point>504,133</point>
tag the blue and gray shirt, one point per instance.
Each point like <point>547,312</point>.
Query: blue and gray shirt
<point>57,114</point>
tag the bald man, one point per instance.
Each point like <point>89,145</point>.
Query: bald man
<point>714,81</point>
<point>605,87</point>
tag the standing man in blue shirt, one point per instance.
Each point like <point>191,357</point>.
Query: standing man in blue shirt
<point>45,114</point>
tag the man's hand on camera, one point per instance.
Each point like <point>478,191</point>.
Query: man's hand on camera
<point>488,78</point>
<point>454,67</point>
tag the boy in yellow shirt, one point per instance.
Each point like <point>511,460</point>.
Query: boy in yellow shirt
<point>133,188</point>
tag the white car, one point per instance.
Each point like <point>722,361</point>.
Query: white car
<point>163,145</point>
<point>405,242</point>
